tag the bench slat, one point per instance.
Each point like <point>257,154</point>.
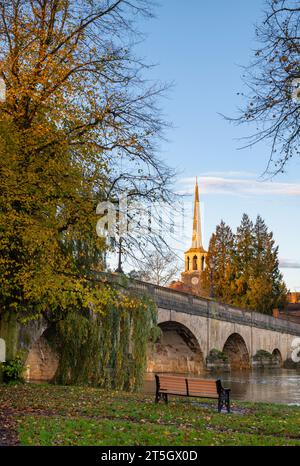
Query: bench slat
<point>170,376</point>
<point>203,395</point>
<point>176,389</point>
<point>175,382</point>
<point>202,390</point>
<point>202,382</point>
<point>173,387</point>
<point>200,386</point>
<point>174,392</point>
<point>172,382</point>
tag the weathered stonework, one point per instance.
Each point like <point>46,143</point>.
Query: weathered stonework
<point>177,351</point>
<point>266,360</point>
<point>42,362</point>
<point>239,333</point>
<point>191,328</point>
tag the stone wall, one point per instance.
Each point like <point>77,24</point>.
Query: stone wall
<point>28,339</point>
<point>42,362</point>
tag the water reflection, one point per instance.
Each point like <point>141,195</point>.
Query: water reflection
<point>275,386</point>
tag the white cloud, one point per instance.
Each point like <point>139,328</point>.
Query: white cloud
<point>238,183</point>
<point>229,174</point>
<point>289,264</point>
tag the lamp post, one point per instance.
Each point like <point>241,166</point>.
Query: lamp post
<point>119,268</point>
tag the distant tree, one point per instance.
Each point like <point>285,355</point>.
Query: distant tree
<point>266,286</point>
<point>272,79</point>
<point>209,274</point>
<point>264,245</point>
<point>219,263</point>
<point>159,268</point>
<point>243,269</point>
<point>244,248</point>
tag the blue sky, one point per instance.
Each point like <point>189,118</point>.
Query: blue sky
<point>200,46</point>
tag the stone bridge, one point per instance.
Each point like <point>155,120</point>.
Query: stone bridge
<point>192,327</point>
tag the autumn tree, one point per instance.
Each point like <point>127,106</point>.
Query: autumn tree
<point>272,82</point>
<point>77,117</point>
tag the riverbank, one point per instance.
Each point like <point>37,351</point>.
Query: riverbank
<point>257,385</point>
<point>55,415</point>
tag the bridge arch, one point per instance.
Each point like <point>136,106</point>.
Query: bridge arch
<point>42,361</point>
<point>277,356</point>
<point>236,350</point>
<point>176,351</point>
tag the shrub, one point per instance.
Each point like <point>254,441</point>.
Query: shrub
<point>13,369</point>
<point>217,355</point>
<point>263,354</point>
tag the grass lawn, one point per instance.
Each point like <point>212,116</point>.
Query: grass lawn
<point>54,415</point>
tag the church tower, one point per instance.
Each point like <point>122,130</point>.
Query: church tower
<point>194,258</point>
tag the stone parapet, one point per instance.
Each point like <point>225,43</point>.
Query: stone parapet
<point>174,300</point>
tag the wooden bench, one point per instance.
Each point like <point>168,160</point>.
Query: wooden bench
<point>187,386</point>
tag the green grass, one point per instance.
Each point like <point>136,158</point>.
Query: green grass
<point>53,415</point>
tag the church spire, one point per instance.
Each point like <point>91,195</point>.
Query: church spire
<point>197,236</point>
<point>194,258</point>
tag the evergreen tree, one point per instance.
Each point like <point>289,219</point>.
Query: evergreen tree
<point>244,248</point>
<point>208,276</point>
<point>243,269</point>
<point>266,287</point>
<point>219,262</point>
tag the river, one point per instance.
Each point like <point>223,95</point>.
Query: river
<point>273,386</point>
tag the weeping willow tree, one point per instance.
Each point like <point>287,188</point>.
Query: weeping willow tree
<point>107,349</point>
